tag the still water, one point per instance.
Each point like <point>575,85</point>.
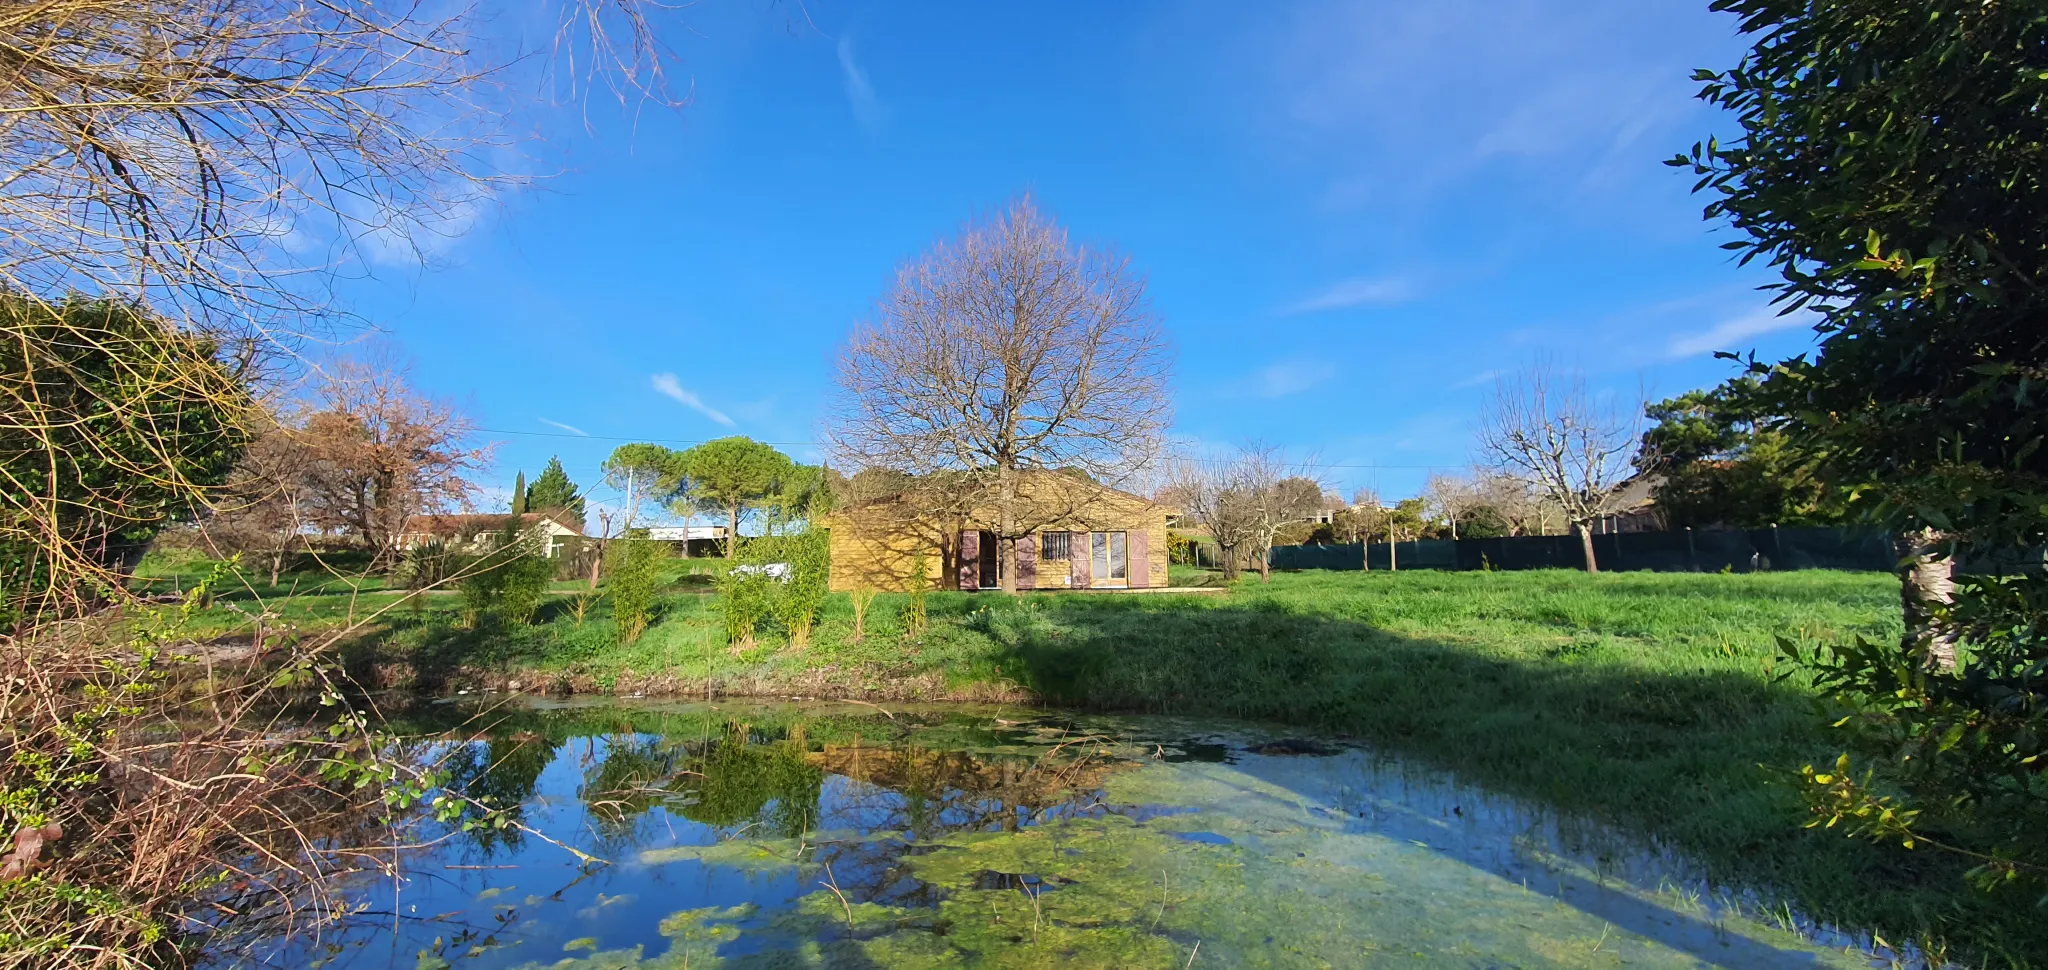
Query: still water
<point>743,835</point>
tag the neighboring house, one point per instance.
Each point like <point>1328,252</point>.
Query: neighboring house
<point>1093,537</point>
<point>700,540</point>
<point>474,533</point>
<point>693,533</point>
<point>1637,501</point>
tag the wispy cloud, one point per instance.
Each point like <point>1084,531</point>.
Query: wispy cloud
<point>1483,377</point>
<point>572,429</point>
<point>1362,291</point>
<point>1728,334</point>
<point>668,386</point>
<point>859,92</point>
<point>1288,377</point>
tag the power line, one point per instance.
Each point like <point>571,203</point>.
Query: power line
<point>814,444</point>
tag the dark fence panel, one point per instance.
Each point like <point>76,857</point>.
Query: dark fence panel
<point>1684,550</point>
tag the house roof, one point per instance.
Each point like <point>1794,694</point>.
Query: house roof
<point>1638,492</point>
<point>470,524</point>
<point>1027,473</point>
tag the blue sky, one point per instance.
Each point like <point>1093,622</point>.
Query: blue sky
<point>1351,215</point>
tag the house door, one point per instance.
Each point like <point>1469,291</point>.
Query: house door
<point>1108,555</point>
<point>986,562</point>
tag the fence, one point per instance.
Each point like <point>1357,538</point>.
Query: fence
<point>1684,550</point>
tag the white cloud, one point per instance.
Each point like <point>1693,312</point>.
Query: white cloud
<point>1728,334</point>
<point>1362,291</point>
<point>668,386</point>
<point>1483,377</point>
<point>1289,377</point>
<point>859,92</point>
<point>572,429</point>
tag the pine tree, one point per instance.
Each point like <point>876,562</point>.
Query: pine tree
<point>552,491</point>
<point>519,494</point>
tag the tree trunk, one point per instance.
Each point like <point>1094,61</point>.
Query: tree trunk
<point>1586,546</point>
<point>1926,587</point>
<point>732,531</point>
<point>1266,563</point>
<point>276,565</point>
<point>1006,541</point>
<point>597,561</point>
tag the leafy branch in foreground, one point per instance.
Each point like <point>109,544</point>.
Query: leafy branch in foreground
<point>1890,168</point>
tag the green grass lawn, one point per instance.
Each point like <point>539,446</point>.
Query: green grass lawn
<point>1646,700</point>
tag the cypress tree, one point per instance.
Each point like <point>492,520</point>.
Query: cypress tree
<point>519,494</point>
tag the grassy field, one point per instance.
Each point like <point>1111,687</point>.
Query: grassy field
<point>1646,700</point>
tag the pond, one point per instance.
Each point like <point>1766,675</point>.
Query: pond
<point>745,835</point>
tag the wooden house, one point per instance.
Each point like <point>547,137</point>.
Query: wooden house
<point>1079,535</point>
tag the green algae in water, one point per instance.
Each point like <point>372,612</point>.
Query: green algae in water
<point>1112,892</point>
<point>1048,847</point>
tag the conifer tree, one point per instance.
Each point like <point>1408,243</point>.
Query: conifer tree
<point>552,491</point>
<point>519,494</point>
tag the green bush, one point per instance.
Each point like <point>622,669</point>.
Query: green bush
<point>507,583</point>
<point>746,593</point>
<point>632,576</point>
<point>797,599</point>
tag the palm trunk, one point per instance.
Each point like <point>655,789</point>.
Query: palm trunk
<point>1586,546</point>
<point>1926,588</point>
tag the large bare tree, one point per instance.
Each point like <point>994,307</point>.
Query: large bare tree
<point>1005,351</point>
<point>1545,430</point>
<point>383,453</point>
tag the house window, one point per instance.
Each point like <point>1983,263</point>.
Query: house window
<point>1056,546</point>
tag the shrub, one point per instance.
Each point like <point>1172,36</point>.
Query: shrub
<point>508,582</point>
<point>797,598</point>
<point>746,592</point>
<point>632,574</point>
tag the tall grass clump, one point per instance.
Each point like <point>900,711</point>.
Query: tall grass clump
<point>804,586</point>
<point>633,576</point>
<point>746,592</point>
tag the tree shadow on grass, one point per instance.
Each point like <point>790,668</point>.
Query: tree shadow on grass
<point>1698,761</point>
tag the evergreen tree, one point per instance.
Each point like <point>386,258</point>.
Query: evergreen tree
<point>552,491</point>
<point>1890,167</point>
<point>519,494</point>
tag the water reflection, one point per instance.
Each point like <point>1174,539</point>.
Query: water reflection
<point>740,836</point>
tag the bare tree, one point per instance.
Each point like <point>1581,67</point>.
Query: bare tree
<point>382,453</point>
<point>1543,429</point>
<point>1244,501</point>
<point>1005,351</point>
<point>185,152</point>
<point>263,510</point>
<point>1213,495</point>
<point>1452,497</point>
